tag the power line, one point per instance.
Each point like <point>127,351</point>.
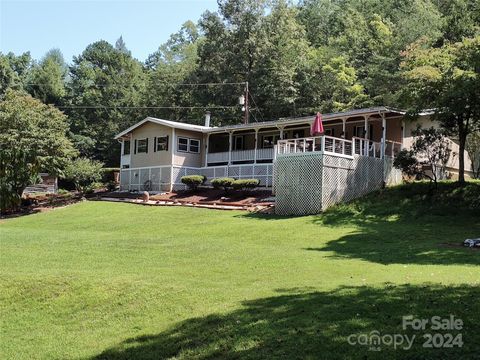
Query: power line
<point>146,107</point>
<point>162,83</point>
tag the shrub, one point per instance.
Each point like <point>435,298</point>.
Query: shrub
<point>193,181</point>
<point>242,184</point>
<point>224,183</point>
<point>407,163</point>
<point>83,173</point>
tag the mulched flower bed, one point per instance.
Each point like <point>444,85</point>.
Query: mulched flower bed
<point>204,196</point>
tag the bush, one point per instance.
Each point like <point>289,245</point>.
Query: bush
<point>407,163</point>
<point>242,184</point>
<point>224,183</point>
<point>193,181</point>
<point>83,173</point>
<point>111,186</point>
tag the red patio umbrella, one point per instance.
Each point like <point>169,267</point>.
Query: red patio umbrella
<point>317,126</point>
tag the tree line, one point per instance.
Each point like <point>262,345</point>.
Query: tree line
<point>317,55</point>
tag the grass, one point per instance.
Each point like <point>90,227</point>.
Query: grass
<point>102,280</point>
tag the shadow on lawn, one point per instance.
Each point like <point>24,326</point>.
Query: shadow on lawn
<point>315,325</point>
<point>408,225</point>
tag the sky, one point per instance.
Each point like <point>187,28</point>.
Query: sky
<point>38,26</point>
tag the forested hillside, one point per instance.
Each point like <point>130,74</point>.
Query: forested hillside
<point>317,55</point>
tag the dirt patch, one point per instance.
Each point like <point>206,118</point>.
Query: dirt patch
<point>205,196</point>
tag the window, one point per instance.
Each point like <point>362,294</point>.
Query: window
<point>182,144</point>
<point>269,140</point>
<point>329,132</point>
<point>238,143</point>
<point>297,134</point>
<point>188,145</point>
<point>194,146</point>
<point>142,145</point>
<point>161,143</point>
<point>126,147</point>
<point>359,131</point>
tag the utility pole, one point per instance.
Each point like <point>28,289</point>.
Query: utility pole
<point>246,103</point>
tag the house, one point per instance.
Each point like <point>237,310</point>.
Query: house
<point>156,153</point>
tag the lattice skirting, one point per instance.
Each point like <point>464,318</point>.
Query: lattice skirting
<point>308,183</point>
<point>159,178</point>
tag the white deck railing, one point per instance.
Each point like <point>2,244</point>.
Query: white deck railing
<point>338,146</point>
<point>240,155</point>
<point>327,144</point>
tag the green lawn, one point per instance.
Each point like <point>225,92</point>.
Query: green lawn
<point>101,280</point>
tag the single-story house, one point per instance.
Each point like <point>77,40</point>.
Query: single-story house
<point>155,153</point>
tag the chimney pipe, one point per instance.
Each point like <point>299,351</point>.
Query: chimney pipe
<point>207,119</point>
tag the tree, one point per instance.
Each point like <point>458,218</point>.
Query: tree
<point>429,154</point>
<point>14,71</point>
<point>446,80</point>
<point>107,85</point>
<point>48,78</point>
<point>330,84</point>
<point>32,139</point>
<point>83,173</point>
<point>121,46</point>
<point>172,64</point>
<point>285,52</point>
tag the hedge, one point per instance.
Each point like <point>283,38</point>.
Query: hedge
<point>242,184</point>
<point>223,183</point>
<point>193,181</point>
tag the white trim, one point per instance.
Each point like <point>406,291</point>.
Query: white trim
<point>178,144</point>
<point>267,124</point>
<point>173,159</point>
<point>190,145</point>
<point>168,123</point>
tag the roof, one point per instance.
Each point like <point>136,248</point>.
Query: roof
<point>276,123</point>
<point>168,123</point>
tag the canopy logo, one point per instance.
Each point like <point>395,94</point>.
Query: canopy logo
<point>375,341</point>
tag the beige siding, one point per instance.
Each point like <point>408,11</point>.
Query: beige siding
<point>150,130</point>
<point>187,158</point>
<point>426,122</point>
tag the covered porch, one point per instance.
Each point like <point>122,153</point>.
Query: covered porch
<point>373,133</point>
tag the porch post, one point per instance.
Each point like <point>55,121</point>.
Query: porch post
<point>206,150</point>
<point>255,146</point>
<point>173,159</point>
<point>230,138</point>
<point>403,134</point>
<point>281,132</point>
<point>344,127</point>
<point>384,135</point>
<point>365,135</point>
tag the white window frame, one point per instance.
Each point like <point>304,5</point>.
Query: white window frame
<point>181,138</point>
<point>188,145</point>
<point>165,137</point>
<point>138,146</point>
<point>197,146</point>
